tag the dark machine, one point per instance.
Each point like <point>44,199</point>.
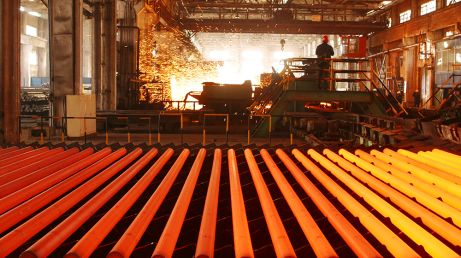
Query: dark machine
<point>224,97</point>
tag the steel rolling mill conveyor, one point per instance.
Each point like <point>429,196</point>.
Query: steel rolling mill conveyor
<point>225,201</point>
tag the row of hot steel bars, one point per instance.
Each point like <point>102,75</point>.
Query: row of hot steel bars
<point>160,201</point>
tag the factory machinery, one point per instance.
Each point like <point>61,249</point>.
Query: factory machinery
<point>229,201</point>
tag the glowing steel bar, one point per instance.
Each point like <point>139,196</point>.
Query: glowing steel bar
<point>424,186</point>
<point>393,243</point>
<point>440,158</point>
<point>241,233</point>
<point>314,235</point>
<point>54,238</point>
<point>359,245</point>
<point>445,229</point>
<point>421,173</point>
<point>36,172</point>
<point>433,246</point>
<point>133,234</point>
<point>451,155</point>
<point>168,239</point>
<point>421,165</point>
<point>39,186</point>
<point>88,243</point>
<point>279,236</point>
<point>57,189</point>
<point>446,158</point>
<point>207,233</point>
<point>21,234</point>
<point>16,171</point>
<point>8,150</point>
<point>429,162</point>
<point>22,156</point>
<point>28,160</point>
<point>15,153</point>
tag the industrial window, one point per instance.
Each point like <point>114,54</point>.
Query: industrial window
<point>428,7</point>
<point>405,16</point>
<point>449,2</point>
<point>31,31</point>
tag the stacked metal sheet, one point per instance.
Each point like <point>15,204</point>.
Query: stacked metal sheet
<point>183,201</point>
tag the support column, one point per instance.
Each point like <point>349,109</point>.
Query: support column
<point>109,46</point>
<point>97,50</point>
<point>65,51</point>
<point>10,71</point>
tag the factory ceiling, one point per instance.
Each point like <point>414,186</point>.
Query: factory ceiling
<point>285,16</point>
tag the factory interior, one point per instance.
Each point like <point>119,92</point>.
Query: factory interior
<point>230,128</point>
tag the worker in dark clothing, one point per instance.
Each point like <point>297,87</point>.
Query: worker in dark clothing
<point>416,98</point>
<point>324,50</point>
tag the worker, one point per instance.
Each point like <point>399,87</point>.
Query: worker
<point>399,97</point>
<point>416,98</point>
<point>323,51</point>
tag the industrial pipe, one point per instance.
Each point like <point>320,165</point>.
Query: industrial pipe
<point>241,232</point>
<point>22,162</point>
<point>378,229</point>
<point>421,165</point>
<point>429,162</point>
<point>21,156</point>
<point>312,232</point>
<point>437,180</point>
<point>36,172</point>
<point>39,186</point>
<point>127,242</point>
<point>15,152</point>
<point>26,168</point>
<point>279,236</point>
<point>450,232</point>
<point>168,239</point>
<point>424,186</point>
<point>24,232</point>
<point>99,231</point>
<point>54,238</point>
<point>356,241</point>
<point>56,185</point>
<point>207,233</point>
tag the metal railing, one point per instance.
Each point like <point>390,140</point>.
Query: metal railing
<point>54,126</point>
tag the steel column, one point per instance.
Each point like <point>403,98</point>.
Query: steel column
<point>65,51</point>
<point>10,72</point>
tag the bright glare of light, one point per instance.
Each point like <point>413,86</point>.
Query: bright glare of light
<point>449,33</point>
<point>154,52</point>
<point>280,55</point>
<point>22,9</point>
<point>218,55</point>
<point>445,44</point>
<point>36,14</point>
<point>458,57</point>
<point>384,3</point>
<point>252,54</point>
